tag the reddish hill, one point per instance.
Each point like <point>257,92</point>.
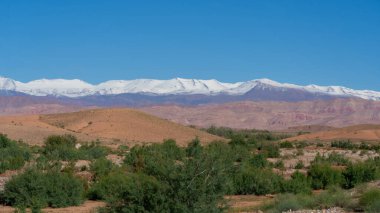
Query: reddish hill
<point>274,115</point>
<point>30,105</point>
<point>112,126</point>
<point>356,133</point>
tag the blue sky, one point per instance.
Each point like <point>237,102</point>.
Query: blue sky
<point>327,42</point>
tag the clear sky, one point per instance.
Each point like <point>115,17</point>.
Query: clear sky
<point>325,42</point>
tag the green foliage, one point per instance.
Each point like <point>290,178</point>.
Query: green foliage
<point>62,147</point>
<point>343,144</point>
<point>12,154</point>
<point>271,150</point>
<point>359,173</point>
<point>258,161</point>
<point>131,193</point>
<point>286,202</point>
<point>101,167</point>
<point>279,165</point>
<point>250,180</point>
<point>370,200</point>
<point>299,165</point>
<point>92,150</point>
<point>38,189</point>
<point>347,144</point>
<point>195,178</point>
<point>299,183</point>
<point>247,134</point>
<point>287,145</point>
<point>333,197</point>
<point>323,175</point>
<point>332,159</point>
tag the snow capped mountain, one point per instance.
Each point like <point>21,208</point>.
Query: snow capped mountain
<point>7,84</point>
<point>55,87</point>
<point>177,86</point>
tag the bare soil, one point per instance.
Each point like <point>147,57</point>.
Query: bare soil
<point>113,127</point>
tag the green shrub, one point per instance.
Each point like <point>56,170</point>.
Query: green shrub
<point>197,177</point>
<point>323,175</point>
<point>287,145</point>
<point>332,159</point>
<point>370,200</point>
<point>343,144</point>
<point>194,148</point>
<point>333,197</point>
<point>271,150</point>
<point>101,167</point>
<point>258,161</point>
<point>299,183</point>
<point>131,193</point>
<point>359,173</point>
<point>299,165</point>
<point>279,165</point>
<point>13,155</point>
<point>286,202</point>
<point>257,181</point>
<point>62,147</point>
<point>37,189</point>
<point>92,150</point>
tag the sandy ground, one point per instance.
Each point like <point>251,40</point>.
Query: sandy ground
<point>113,127</point>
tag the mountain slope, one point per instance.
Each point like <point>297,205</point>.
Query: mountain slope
<point>356,133</point>
<point>274,115</point>
<point>178,86</point>
<point>111,126</point>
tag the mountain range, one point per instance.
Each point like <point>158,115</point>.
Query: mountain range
<point>259,89</point>
<point>260,104</point>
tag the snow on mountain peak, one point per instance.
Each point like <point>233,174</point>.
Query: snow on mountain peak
<point>7,84</point>
<point>79,88</point>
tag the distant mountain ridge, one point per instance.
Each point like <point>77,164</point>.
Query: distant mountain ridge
<point>260,89</point>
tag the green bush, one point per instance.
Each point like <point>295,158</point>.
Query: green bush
<point>271,150</point>
<point>101,167</point>
<point>333,197</point>
<point>323,175</point>
<point>370,200</point>
<point>286,202</point>
<point>37,189</point>
<point>359,173</point>
<point>258,161</point>
<point>92,150</point>
<point>13,155</point>
<point>196,177</point>
<point>299,165</point>
<point>250,180</point>
<point>299,183</point>
<point>343,144</point>
<point>62,147</point>
<point>332,159</point>
<point>286,144</point>
<point>131,193</point>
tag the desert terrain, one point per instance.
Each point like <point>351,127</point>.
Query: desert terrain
<point>364,132</point>
<point>111,126</point>
<point>273,115</point>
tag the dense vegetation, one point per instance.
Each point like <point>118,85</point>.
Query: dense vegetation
<point>13,155</point>
<point>168,178</point>
<point>38,189</point>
